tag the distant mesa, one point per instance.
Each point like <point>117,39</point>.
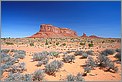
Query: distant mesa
<point>92,36</point>
<point>50,31</point>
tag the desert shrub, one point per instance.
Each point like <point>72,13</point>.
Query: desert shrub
<point>84,55</point>
<point>64,44</point>
<point>38,75</point>
<point>110,65</point>
<point>13,77</point>
<point>5,51</point>
<point>72,78</point>
<point>13,60</point>
<point>45,61</point>
<point>65,53</point>
<point>87,69</point>
<point>118,50</point>
<point>22,65</point>
<point>13,69</point>
<point>68,58</point>
<point>108,52</point>
<point>20,54</point>
<point>9,43</point>
<point>13,50</point>
<point>81,43</point>
<point>90,45</point>
<point>16,55</point>
<point>9,63</point>
<point>118,56</point>
<point>45,52</point>
<point>31,44</point>
<point>55,54</point>
<point>53,66</point>
<point>17,68</point>
<point>4,55</point>
<point>104,61</point>
<point>4,66</point>
<point>26,77</point>
<point>46,43</point>
<point>101,60</point>
<point>50,69</point>
<point>79,77</point>
<point>91,41</point>
<point>90,62</point>
<point>78,53</point>
<point>70,51</point>
<point>2,71</point>
<point>5,58</point>
<point>57,43</point>
<point>59,64</point>
<point>39,56</point>
<point>3,38</point>
<point>90,52</point>
<point>103,41</point>
<point>40,63</point>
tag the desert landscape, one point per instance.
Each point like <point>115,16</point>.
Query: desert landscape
<point>59,54</point>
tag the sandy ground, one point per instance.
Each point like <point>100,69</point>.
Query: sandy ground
<point>68,68</point>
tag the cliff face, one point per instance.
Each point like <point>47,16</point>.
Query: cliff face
<point>49,31</point>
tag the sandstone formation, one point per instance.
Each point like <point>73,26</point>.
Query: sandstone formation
<point>92,36</point>
<point>50,31</point>
<point>84,35</point>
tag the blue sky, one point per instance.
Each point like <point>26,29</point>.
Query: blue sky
<point>22,19</point>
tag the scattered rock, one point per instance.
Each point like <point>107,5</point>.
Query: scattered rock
<point>92,74</point>
<point>106,69</point>
<point>113,76</point>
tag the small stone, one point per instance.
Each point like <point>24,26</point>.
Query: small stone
<point>84,74</point>
<point>92,74</point>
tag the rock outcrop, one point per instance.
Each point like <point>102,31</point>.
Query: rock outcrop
<point>92,36</point>
<point>50,31</point>
<point>84,35</point>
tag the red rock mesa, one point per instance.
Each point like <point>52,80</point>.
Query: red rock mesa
<point>49,31</point>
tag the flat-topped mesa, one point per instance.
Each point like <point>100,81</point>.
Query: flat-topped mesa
<point>49,31</point>
<point>93,36</point>
<point>51,28</point>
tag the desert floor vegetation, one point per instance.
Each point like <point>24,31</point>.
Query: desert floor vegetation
<point>57,59</point>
